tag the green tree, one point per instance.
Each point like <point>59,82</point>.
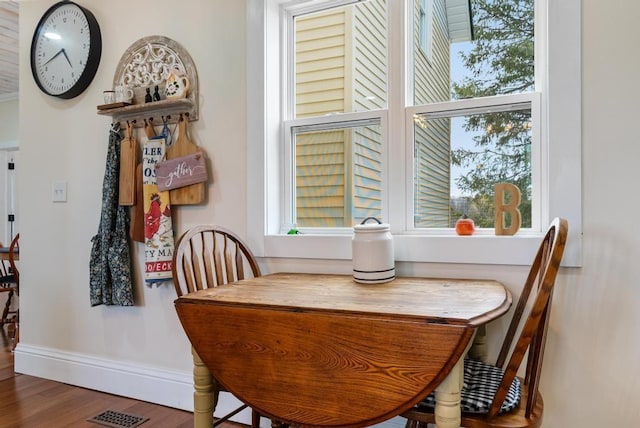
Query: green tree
<point>501,61</point>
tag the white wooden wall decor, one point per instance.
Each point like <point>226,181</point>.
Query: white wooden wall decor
<point>147,64</point>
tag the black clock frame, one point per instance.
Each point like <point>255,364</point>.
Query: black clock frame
<point>95,52</point>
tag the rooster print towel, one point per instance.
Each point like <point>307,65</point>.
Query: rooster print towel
<point>158,229</point>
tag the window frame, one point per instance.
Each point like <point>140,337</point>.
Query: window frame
<point>560,111</point>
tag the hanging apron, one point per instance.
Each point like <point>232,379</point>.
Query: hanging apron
<point>158,228</point>
<point>110,261</point>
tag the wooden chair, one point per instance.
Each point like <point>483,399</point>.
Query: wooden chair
<point>533,307</point>
<point>210,256</point>
<point>10,283</point>
<point>7,285</point>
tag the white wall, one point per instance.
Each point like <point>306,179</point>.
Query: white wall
<point>591,370</point>
<point>65,140</point>
<point>9,121</point>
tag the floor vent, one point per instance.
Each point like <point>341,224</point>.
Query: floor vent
<point>113,419</point>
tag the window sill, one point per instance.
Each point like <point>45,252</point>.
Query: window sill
<point>477,249</point>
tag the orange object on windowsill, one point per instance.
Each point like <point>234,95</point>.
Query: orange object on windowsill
<point>465,226</point>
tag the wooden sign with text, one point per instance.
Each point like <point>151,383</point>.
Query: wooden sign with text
<point>181,172</point>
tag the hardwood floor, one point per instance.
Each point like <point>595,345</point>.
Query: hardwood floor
<point>31,402</point>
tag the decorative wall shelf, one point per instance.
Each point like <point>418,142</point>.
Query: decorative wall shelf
<point>146,64</point>
<point>154,111</point>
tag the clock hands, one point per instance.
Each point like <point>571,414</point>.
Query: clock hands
<point>53,57</point>
<point>63,52</point>
<point>67,57</point>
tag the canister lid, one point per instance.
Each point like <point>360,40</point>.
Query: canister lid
<point>371,224</point>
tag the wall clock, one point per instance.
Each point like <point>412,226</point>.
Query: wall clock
<point>65,50</point>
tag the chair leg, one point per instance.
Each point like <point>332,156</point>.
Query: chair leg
<point>255,418</point>
<point>16,330</point>
<point>5,312</point>
<point>16,337</point>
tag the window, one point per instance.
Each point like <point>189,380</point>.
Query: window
<point>425,17</point>
<point>339,69</point>
<point>338,173</point>
<point>346,120</point>
<point>460,154</point>
<point>471,127</point>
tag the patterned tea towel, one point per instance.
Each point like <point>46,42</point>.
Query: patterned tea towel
<point>158,229</point>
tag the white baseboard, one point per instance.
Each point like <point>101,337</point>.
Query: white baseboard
<point>170,388</point>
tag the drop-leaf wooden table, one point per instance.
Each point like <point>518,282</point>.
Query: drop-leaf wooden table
<point>323,350</point>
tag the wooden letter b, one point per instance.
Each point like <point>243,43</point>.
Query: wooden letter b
<point>502,208</point>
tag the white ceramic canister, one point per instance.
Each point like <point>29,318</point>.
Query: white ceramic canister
<point>372,246</point>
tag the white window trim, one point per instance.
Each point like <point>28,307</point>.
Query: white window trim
<point>562,114</point>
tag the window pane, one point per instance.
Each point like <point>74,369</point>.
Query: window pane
<point>425,29</point>
<point>483,50</point>
<point>338,179</point>
<point>341,60</point>
<point>459,159</point>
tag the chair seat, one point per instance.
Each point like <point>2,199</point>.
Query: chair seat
<point>516,418</point>
<point>481,381</point>
<point>7,280</point>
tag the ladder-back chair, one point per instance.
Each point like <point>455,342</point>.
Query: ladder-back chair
<point>210,256</point>
<point>493,396</point>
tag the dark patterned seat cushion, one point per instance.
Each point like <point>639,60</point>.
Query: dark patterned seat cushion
<point>481,381</point>
<point>7,280</point>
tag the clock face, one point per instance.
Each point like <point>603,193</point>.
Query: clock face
<point>66,49</point>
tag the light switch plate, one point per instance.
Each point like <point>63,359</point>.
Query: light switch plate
<point>59,191</point>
